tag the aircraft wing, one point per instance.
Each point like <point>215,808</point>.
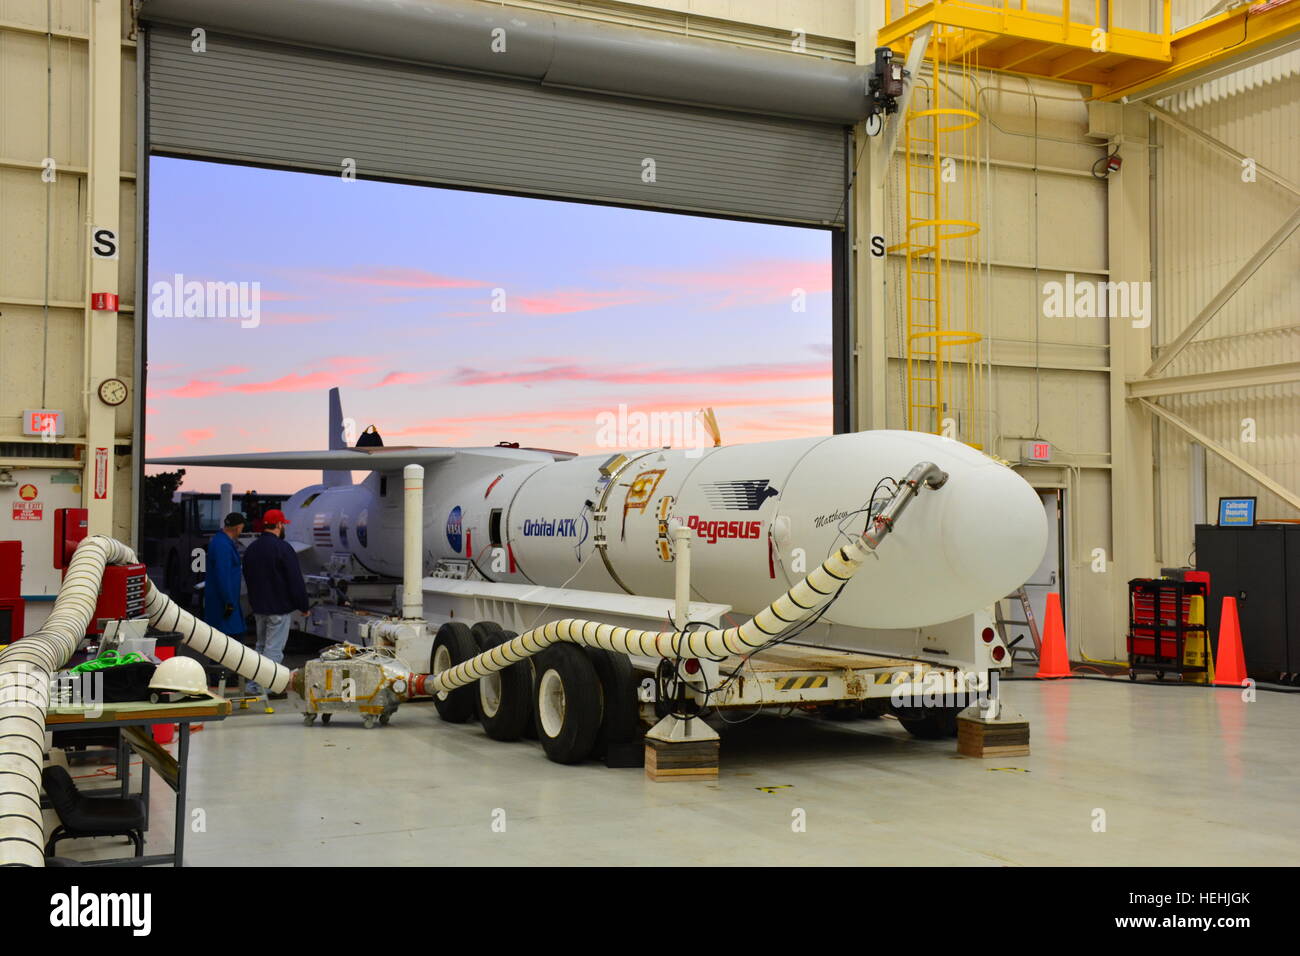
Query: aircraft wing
<point>341,459</point>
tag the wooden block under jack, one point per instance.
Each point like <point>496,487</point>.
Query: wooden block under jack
<point>1005,736</point>
<point>681,760</point>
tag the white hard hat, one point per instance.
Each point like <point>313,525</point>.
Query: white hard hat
<point>182,675</point>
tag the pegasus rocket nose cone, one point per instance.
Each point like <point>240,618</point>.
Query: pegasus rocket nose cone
<point>994,530</point>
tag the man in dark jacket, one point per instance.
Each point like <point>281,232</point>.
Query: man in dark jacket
<point>275,588</point>
<point>221,588</point>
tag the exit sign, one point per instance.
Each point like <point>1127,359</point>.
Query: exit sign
<point>42,421</point>
<point>1036,451</point>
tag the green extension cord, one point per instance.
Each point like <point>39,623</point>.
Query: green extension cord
<point>108,659</point>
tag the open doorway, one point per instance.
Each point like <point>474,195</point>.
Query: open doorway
<point>1020,629</point>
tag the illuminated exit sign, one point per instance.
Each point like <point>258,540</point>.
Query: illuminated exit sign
<point>1040,451</point>
<point>42,422</point>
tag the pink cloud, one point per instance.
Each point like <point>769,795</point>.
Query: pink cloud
<point>193,436</point>
<point>402,278</point>
<point>339,369</point>
<point>292,382</point>
<point>297,318</point>
<point>197,388</point>
<point>586,417</point>
<point>399,378</point>
<point>566,301</point>
<point>753,282</point>
<point>721,375</point>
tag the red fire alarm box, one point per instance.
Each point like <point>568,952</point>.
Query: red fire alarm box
<point>103,301</point>
<point>69,529</point>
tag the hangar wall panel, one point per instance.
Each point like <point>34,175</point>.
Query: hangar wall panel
<point>250,101</point>
<point>1044,217</point>
<point>45,85</point>
<point>1210,220</point>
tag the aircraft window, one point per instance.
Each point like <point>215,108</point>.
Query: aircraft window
<point>361,529</point>
<point>310,498</point>
<point>343,530</point>
<point>494,528</point>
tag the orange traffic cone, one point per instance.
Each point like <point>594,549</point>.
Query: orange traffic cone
<point>1230,663</point>
<point>1053,659</point>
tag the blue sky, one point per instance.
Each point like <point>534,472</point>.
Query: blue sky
<point>388,291</point>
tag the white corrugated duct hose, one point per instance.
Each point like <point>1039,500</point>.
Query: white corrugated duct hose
<point>795,605</point>
<point>28,666</point>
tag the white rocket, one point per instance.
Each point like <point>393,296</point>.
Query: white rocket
<point>762,516</point>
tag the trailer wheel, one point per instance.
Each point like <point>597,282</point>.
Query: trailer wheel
<point>619,742</point>
<point>566,703</point>
<point>929,723</point>
<point>530,728</point>
<point>505,699</point>
<point>453,645</point>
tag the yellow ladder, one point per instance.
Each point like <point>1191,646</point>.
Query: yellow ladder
<point>931,334</point>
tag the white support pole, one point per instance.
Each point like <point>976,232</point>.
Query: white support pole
<point>682,563</point>
<point>413,542</point>
<point>227,499</point>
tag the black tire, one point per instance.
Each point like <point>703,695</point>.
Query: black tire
<point>505,699</point>
<point>619,742</point>
<point>530,729</point>
<point>455,645</point>
<point>325,718</point>
<point>566,703</point>
<point>929,723</point>
<point>842,710</point>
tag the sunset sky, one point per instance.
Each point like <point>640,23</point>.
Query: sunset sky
<point>387,291</point>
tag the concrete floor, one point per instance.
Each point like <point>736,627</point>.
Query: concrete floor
<point>1185,776</point>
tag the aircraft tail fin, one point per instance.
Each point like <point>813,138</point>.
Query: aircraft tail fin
<point>337,441</point>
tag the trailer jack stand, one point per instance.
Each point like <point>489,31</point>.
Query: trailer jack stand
<point>681,748</point>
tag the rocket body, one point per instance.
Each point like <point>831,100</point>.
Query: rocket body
<point>762,516</point>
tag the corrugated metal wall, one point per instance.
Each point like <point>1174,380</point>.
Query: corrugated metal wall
<point>1210,221</point>
<point>45,112</point>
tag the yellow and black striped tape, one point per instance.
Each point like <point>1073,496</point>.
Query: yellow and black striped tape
<point>801,683</point>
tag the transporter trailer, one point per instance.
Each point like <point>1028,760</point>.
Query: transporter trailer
<point>599,674</point>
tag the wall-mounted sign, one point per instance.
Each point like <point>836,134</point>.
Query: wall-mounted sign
<point>101,473</point>
<point>1237,512</point>
<point>103,301</point>
<point>28,511</point>
<point>42,421</point>
<point>103,243</point>
<point>1037,451</point>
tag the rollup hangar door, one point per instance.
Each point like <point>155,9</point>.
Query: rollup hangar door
<point>463,94</point>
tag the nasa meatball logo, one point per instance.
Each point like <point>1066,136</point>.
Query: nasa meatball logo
<point>453,529</point>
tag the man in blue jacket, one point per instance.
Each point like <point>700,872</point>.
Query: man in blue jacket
<point>221,590</point>
<point>275,588</point>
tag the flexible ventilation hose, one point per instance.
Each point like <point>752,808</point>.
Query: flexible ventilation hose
<point>28,666</point>
<point>795,605</point>
<point>26,669</point>
<point>166,615</point>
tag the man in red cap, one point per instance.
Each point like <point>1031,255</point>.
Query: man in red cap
<point>275,587</point>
